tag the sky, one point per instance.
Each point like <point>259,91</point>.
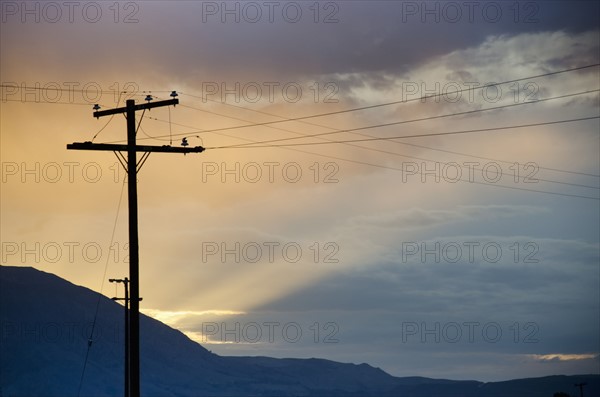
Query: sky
<point>469,253</point>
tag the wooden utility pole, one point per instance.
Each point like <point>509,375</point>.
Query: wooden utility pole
<point>580,386</point>
<point>126,376</point>
<point>132,168</point>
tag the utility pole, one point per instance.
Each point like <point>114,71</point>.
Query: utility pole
<point>132,168</point>
<point>580,386</point>
<point>125,282</point>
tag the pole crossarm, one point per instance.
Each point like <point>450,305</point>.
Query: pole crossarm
<point>141,106</point>
<point>88,145</point>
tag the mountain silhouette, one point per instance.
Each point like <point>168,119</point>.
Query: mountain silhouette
<point>45,323</point>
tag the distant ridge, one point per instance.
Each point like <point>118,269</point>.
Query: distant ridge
<point>45,320</point>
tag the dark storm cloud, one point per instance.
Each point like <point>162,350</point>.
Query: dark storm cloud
<point>368,36</point>
<point>190,39</point>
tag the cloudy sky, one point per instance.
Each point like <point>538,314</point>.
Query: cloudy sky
<point>469,255</point>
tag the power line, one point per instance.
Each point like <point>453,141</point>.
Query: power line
<point>142,92</point>
<point>80,90</point>
<point>366,107</point>
<point>131,93</point>
<point>46,102</point>
<point>285,119</point>
<point>233,118</point>
<point>422,118</point>
<point>108,122</point>
<point>90,339</point>
<point>348,142</point>
<point>419,99</point>
<point>366,135</point>
<point>491,158</point>
<point>377,150</point>
<point>241,146</point>
<point>148,135</point>
<point>400,169</point>
<point>337,131</point>
<point>238,107</point>
<point>461,180</point>
<point>515,175</point>
<point>255,144</point>
<point>422,135</point>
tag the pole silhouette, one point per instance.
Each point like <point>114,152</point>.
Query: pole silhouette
<point>580,386</point>
<point>132,168</point>
<point>125,282</point>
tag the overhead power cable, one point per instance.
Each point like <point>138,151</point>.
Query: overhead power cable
<point>241,146</point>
<point>407,156</point>
<point>422,98</point>
<point>90,338</point>
<point>338,131</point>
<point>394,123</point>
<point>359,134</point>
